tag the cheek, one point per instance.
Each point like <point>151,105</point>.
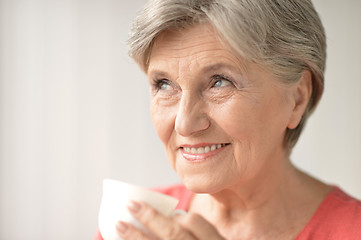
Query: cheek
<point>235,118</point>
<point>252,125</point>
<point>163,121</point>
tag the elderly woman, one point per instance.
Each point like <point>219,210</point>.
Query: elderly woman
<point>232,84</point>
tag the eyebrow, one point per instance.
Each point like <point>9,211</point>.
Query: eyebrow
<point>158,73</point>
<point>209,68</point>
<point>217,66</point>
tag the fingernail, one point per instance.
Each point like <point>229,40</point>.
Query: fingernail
<point>178,212</point>
<point>134,207</point>
<point>122,227</point>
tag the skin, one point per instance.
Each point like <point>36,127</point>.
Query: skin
<point>201,95</point>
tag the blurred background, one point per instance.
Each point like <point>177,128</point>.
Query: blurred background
<point>74,110</point>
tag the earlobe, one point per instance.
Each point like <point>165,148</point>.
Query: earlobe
<point>301,97</point>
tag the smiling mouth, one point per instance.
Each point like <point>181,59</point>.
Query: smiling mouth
<point>203,149</point>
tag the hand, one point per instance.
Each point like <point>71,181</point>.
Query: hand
<point>186,227</point>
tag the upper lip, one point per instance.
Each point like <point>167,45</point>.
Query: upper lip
<point>200,145</point>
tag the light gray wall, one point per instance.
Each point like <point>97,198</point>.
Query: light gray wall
<point>74,110</point>
<point>330,148</point>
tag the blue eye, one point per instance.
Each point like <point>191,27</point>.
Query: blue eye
<point>163,86</point>
<point>221,83</point>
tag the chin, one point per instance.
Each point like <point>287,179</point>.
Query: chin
<point>202,185</point>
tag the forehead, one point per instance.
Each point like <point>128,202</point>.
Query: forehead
<point>200,45</point>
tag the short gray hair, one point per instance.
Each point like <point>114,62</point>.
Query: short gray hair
<point>285,36</point>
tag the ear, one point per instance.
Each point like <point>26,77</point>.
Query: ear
<point>301,95</point>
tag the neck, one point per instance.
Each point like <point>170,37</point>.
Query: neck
<point>256,193</point>
<point>269,203</point>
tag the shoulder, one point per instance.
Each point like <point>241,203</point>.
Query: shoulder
<point>338,217</point>
<point>343,207</point>
<point>178,191</point>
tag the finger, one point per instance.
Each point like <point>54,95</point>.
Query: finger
<point>199,227</point>
<point>160,225</point>
<point>129,232</point>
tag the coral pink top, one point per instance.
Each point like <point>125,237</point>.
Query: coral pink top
<point>337,218</point>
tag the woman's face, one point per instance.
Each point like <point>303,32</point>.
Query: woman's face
<point>220,123</point>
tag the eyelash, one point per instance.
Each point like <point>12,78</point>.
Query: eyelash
<point>158,82</point>
<point>218,77</point>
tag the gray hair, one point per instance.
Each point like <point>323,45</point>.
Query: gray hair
<point>285,36</point>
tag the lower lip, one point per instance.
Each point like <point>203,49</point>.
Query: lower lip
<point>198,158</point>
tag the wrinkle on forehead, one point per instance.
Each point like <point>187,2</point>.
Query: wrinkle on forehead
<point>190,49</point>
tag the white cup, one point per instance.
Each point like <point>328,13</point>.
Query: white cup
<point>116,197</point>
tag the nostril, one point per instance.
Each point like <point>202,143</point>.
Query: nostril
<point>191,124</point>
<point>191,115</point>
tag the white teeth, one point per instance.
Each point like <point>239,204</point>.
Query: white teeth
<point>207,149</point>
<point>202,150</point>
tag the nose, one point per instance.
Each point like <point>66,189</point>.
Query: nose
<point>192,117</point>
